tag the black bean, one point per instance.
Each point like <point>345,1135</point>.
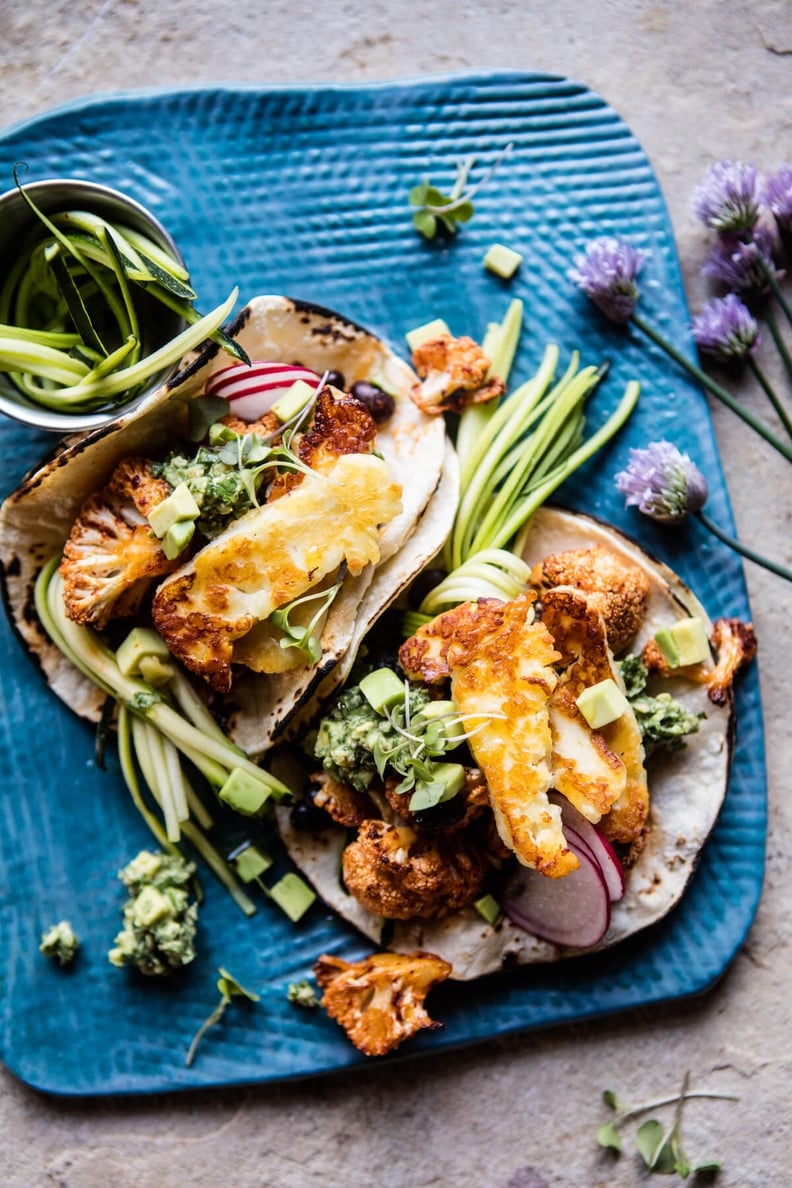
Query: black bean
<point>308,816</point>
<point>335,379</point>
<point>378,403</point>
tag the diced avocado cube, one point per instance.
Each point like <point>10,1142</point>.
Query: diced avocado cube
<point>156,672</point>
<point>219,434</point>
<point>251,863</point>
<point>293,896</point>
<point>382,689</point>
<point>179,505</point>
<point>602,703</point>
<point>243,792</point>
<point>141,642</point>
<point>684,642</point>
<point>151,906</point>
<point>445,714</point>
<point>489,908</point>
<point>448,780</point>
<point>426,333</point>
<point>177,538</point>
<point>502,260</point>
<point>293,401</point>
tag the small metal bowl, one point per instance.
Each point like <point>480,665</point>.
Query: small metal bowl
<point>17,223</point>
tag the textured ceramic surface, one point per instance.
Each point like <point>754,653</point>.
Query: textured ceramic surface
<point>304,191</point>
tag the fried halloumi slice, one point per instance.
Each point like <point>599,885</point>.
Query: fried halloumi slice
<point>270,556</point>
<point>500,663</point>
<point>579,633</point>
<point>379,1001</point>
<point>585,769</point>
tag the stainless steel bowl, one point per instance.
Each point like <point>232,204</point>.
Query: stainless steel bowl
<point>17,222</point>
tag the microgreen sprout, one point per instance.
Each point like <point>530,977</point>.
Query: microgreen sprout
<point>296,635</point>
<point>660,1150</point>
<point>447,210</point>
<point>420,741</point>
<point>229,988</point>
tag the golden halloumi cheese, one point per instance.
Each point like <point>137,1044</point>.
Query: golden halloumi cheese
<point>579,634</point>
<point>500,663</point>
<point>270,556</point>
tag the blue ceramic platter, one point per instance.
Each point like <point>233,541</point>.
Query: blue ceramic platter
<point>304,191</point>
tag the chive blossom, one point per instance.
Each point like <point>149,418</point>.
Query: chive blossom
<point>662,482</point>
<point>726,329</point>
<point>606,273</point>
<point>727,200</point>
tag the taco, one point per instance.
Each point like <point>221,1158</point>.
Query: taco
<point>412,878</point>
<point>324,524</point>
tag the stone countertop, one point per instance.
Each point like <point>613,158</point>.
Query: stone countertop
<point>696,83</point>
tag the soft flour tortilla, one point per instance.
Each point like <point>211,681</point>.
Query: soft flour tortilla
<point>36,519</point>
<point>687,789</point>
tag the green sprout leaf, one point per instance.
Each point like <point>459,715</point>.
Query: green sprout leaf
<point>609,1137</point>
<point>609,1097</point>
<point>229,988</point>
<point>650,1141</point>
<point>447,210</point>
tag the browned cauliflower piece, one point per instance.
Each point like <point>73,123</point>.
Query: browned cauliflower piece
<point>619,591</point>
<point>266,425</point>
<point>394,872</point>
<point>341,801</point>
<point>111,555</point>
<point>453,374</point>
<point>735,646</point>
<point>379,1001</point>
<point>340,425</point>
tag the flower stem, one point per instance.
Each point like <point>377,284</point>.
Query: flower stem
<point>779,570</point>
<point>772,281</point>
<point>772,326</point>
<point>771,395</point>
<point>713,387</point>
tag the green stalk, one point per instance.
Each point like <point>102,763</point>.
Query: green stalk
<point>100,391</point>
<point>781,412</point>
<point>83,648</point>
<point>713,387</point>
<point>521,518</point>
<point>781,346</point>
<point>568,399</point>
<point>38,359</point>
<point>125,756</point>
<point>744,550</point>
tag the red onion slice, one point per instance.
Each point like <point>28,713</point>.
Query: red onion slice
<point>573,911</point>
<point>598,846</point>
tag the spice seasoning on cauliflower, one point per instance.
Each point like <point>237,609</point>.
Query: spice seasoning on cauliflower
<point>379,1000</point>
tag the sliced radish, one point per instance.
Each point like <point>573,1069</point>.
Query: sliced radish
<point>252,390</point>
<point>573,911</point>
<point>598,846</point>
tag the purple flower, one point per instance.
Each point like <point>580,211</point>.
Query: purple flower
<point>726,328</point>
<point>606,274</point>
<point>662,482</point>
<point>778,198</point>
<point>727,200</point>
<point>741,266</point>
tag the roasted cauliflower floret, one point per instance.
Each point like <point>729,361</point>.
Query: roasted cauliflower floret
<point>379,1001</point>
<point>111,555</point>
<point>269,557</point>
<point>267,425</point>
<point>340,800</point>
<point>339,425</point>
<point>735,646</point>
<point>455,814</point>
<point>453,374</point>
<point>619,591</point>
<point>396,873</point>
